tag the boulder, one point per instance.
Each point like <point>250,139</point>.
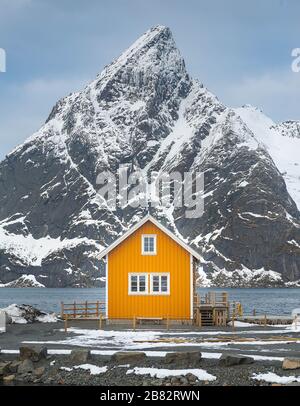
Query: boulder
<point>38,372</point>
<point>128,357</point>
<point>14,366</point>
<point>4,368</point>
<point>8,318</point>
<point>291,363</point>
<point>182,357</point>
<point>35,354</point>
<point>26,367</point>
<point>80,356</point>
<point>229,360</point>
<point>191,378</point>
<point>9,378</point>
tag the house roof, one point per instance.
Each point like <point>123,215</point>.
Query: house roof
<point>157,224</point>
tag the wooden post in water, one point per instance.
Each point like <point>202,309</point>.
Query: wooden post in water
<point>168,323</point>
<point>100,322</point>
<point>134,323</point>
<point>265,320</point>
<point>254,312</point>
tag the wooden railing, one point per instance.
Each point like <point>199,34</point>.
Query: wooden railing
<point>85,310</point>
<point>82,311</point>
<point>217,299</point>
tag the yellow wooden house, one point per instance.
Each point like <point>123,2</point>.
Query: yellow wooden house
<point>150,274</point>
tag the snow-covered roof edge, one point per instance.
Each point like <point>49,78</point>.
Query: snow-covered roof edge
<point>157,224</point>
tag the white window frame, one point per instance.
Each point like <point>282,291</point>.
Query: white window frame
<point>160,293</point>
<point>155,244</point>
<point>138,293</point>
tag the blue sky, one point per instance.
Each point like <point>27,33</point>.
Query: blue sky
<point>240,50</point>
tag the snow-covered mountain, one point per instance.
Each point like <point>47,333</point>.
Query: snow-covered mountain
<point>145,111</point>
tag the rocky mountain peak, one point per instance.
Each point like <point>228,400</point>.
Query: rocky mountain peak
<point>145,111</point>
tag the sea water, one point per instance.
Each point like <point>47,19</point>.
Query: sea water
<point>269,301</point>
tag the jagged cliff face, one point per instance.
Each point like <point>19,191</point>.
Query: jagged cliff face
<point>145,111</point>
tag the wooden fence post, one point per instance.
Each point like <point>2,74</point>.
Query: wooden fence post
<point>61,309</point>
<point>66,323</point>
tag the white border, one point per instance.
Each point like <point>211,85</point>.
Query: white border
<point>130,293</point>
<point>155,244</point>
<point>160,293</point>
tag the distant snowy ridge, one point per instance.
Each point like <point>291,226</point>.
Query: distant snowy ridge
<point>282,141</point>
<point>25,281</point>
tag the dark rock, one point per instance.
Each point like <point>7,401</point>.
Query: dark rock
<point>183,357</point>
<point>26,367</point>
<point>13,367</point>
<point>39,371</point>
<point>191,378</point>
<point>4,368</point>
<point>35,353</point>
<point>80,356</point>
<point>128,357</point>
<point>229,360</point>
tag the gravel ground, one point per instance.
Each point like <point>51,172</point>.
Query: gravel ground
<point>116,376</point>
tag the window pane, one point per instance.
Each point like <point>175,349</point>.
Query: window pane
<point>134,285</point>
<point>142,283</point>
<point>164,284</point>
<point>151,244</point>
<point>155,281</point>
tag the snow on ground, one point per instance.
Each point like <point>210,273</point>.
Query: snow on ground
<point>94,370</point>
<point>140,340</point>
<point>164,373</point>
<point>274,378</point>
<point>18,314</point>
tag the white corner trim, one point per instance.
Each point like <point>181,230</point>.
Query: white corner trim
<point>106,287</point>
<point>191,288</point>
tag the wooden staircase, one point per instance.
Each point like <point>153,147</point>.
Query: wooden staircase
<point>207,319</point>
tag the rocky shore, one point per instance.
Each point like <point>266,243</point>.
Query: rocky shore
<point>34,366</point>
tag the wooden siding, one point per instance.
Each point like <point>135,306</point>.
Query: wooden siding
<point>127,258</point>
